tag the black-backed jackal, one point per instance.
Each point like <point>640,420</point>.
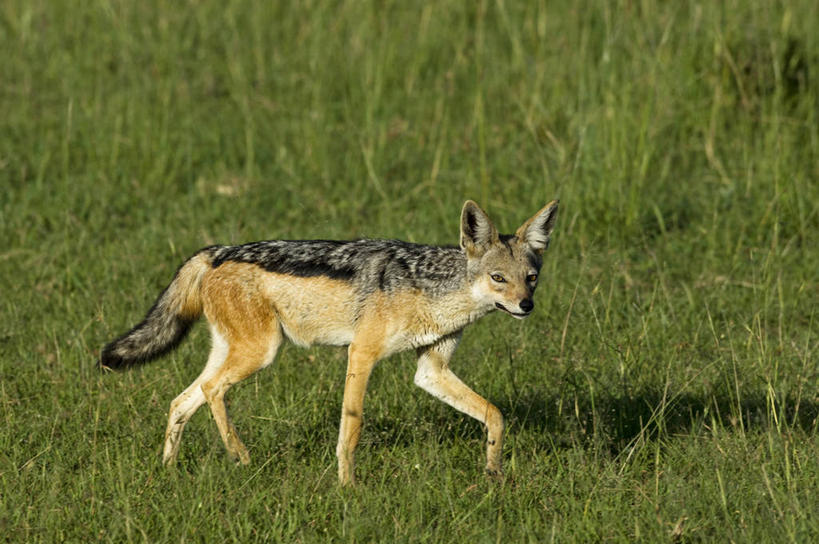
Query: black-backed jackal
<point>378,297</point>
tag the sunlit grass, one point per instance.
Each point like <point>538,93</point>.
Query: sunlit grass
<point>666,387</point>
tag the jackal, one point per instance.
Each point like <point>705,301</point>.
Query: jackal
<point>377,297</point>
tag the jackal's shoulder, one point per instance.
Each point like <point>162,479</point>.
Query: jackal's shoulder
<point>370,263</point>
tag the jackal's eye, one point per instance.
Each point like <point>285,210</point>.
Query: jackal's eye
<point>498,278</point>
<point>531,278</point>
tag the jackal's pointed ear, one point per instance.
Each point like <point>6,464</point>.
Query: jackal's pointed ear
<point>477,231</point>
<point>537,231</point>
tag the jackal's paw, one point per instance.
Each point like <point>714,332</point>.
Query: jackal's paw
<point>241,457</point>
<point>346,477</point>
<point>495,474</point>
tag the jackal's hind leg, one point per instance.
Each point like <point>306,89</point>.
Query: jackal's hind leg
<point>186,404</point>
<point>434,376</point>
<point>245,356</point>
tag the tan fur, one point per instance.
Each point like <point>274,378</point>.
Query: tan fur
<point>314,310</point>
<point>188,300</point>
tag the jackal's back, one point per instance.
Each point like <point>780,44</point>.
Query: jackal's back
<point>386,265</point>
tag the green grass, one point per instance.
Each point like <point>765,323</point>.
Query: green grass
<point>667,387</point>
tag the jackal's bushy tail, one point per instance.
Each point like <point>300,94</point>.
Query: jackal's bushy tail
<point>167,322</point>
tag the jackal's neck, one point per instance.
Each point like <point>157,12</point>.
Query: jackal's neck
<point>455,310</point>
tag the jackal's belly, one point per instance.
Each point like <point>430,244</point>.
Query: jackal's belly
<point>313,310</point>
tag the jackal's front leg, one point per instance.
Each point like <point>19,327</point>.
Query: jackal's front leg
<point>434,376</point>
<point>360,363</point>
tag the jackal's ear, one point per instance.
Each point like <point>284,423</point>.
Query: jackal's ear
<point>537,231</point>
<point>477,231</point>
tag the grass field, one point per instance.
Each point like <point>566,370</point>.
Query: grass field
<point>666,388</point>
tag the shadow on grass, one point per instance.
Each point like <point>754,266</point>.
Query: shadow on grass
<point>615,421</point>
<point>611,422</point>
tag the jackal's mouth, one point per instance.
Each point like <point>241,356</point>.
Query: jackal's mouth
<point>520,315</point>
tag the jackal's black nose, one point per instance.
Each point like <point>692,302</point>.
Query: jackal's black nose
<point>526,305</point>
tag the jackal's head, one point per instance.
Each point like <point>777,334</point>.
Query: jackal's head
<point>502,270</point>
